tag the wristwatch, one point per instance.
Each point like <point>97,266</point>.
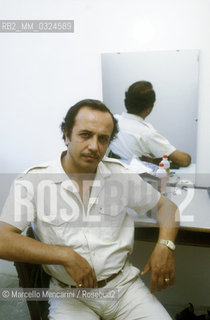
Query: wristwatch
<point>168,243</point>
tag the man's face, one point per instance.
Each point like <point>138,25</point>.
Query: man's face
<point>89,140</point>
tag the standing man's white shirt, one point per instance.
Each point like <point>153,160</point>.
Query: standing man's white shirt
<point>138,138</point>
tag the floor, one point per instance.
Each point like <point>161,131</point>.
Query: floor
<point>10,310</point>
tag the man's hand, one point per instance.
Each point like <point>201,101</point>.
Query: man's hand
<point>80,270</point>
<point>161,264</point>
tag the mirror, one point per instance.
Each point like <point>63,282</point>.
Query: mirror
<point>174,76</point>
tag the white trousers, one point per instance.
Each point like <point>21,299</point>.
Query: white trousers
<point>134,302</point>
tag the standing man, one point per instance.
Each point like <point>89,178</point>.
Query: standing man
<point>137,137</point>
<point>77,206</point>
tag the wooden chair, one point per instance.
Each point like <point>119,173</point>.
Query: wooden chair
<point>33,276</point>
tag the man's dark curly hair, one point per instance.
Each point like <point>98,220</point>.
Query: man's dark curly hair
<point>69,120</point>
<point>139,97</point>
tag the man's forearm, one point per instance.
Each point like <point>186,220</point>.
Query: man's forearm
<point>16,247</point>
<point>168,219</point>
<point>151,160</point>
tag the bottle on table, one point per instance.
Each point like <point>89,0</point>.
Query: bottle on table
<point>166,164</point>
<point>162,175</point>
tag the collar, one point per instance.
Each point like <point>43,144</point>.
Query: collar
<point>58,173</point>
<point>132,116</point>
<point>103,169</point>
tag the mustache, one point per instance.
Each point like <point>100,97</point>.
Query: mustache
<point>91,154</point>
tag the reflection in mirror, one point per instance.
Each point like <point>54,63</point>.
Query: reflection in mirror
<point>174,77</point>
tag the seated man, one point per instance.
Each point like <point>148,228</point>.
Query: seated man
<point>77,206</point>
<point>138,138</point>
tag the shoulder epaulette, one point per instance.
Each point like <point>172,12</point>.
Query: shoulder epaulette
<point>38,167</point>
<point>113,160</point>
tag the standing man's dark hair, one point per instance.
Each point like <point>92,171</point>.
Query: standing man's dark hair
<point>139,97</point>
<point>68,123</point>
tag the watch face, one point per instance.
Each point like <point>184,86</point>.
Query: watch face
<point>168,243</point>
<point>171,245</point>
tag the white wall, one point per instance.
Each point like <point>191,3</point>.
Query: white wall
<point>43,74</point>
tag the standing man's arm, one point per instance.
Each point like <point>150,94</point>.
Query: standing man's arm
<point>16,247</point>
<point>180,158</point>
<point>161,261</point>
<point>158,145</point>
